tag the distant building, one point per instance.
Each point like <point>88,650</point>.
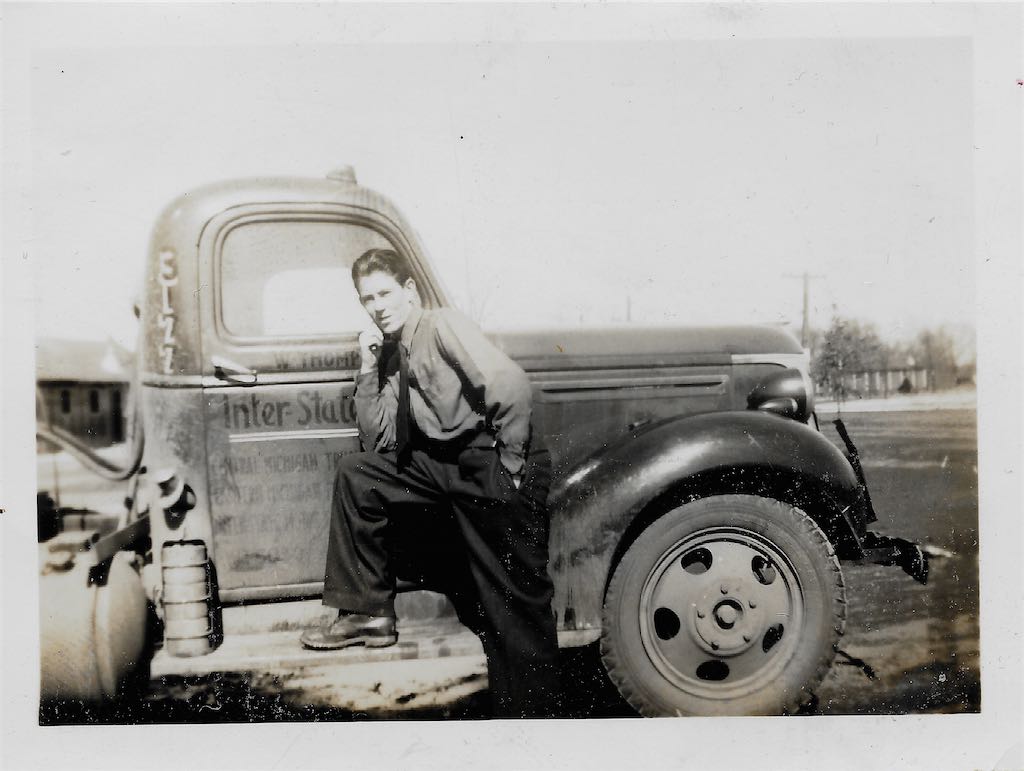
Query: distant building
<point>884,382</point>
<point>83,386</point>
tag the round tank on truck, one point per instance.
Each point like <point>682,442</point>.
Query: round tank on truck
<point>91,635</point>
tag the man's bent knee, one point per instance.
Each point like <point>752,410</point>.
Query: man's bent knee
<point>356,464</point>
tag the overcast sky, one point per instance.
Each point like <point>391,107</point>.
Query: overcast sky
<point>679,181</point>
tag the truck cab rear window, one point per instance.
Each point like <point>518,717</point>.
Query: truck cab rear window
<point>292,278</point>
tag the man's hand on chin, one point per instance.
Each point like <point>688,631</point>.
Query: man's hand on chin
<point>370,342</point>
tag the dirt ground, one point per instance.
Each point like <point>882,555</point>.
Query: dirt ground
<point>920,643</point>
<point>908,648</point>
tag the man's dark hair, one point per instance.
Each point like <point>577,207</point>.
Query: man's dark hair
<point>386,260</point>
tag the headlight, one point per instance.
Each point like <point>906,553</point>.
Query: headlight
<point>785,393</point>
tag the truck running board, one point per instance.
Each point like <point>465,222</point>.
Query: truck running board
<point>281,651</point>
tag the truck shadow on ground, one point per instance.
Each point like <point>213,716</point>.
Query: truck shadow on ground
<point>257,698</point>
<point>945,687</point>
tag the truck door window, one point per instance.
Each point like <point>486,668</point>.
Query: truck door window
<point>291,278</point>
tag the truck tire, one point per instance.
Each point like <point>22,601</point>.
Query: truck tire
<point>728,605</point>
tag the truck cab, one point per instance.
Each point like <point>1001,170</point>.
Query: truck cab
<point>691,484</point>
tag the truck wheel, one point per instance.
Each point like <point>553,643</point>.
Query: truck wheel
<point>728,605</point>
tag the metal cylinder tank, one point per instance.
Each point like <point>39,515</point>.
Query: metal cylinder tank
<point>91,636</point>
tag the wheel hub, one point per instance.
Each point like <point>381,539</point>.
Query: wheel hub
<point>726,614</point>
<point>726,625</point>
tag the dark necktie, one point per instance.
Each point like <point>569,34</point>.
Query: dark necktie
<point>402,417</point>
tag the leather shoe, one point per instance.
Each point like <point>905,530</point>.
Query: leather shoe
<point>351,629</point>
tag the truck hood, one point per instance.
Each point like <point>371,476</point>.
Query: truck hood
<point>639,346</point>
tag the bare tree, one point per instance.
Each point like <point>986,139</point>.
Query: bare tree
<point>846,347</point>
<point>935,350</point>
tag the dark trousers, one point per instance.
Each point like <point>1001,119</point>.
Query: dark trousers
<point>452,518</point>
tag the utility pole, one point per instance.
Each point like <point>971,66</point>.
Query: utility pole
<point>805,330</point>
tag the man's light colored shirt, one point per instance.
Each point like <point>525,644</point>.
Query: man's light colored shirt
<point>459,384</point>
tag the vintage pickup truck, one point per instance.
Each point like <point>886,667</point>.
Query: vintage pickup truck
<point>698,517</point>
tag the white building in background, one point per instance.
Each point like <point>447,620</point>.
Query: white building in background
<point>82,387</point>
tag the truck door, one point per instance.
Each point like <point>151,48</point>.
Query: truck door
<point>280,354</point>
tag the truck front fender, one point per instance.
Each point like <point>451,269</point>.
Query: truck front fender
<point>600,506</point>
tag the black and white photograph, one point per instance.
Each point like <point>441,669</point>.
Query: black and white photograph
<point>512,385</point>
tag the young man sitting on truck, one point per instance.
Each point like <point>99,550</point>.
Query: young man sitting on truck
<point>444,419</point>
